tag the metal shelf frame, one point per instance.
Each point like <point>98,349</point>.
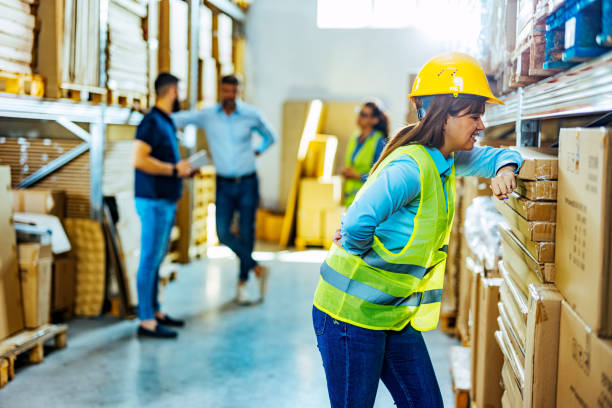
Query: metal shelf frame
<point>582,90</point>
<point>68,114</point>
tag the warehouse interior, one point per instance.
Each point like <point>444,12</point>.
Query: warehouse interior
<point>525,314</point>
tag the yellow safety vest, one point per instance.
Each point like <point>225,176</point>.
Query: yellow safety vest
<point>382,290</point>
<point>362,163</point>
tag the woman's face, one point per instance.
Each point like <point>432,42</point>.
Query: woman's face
<point>366,119</point>
<point>460,131</point>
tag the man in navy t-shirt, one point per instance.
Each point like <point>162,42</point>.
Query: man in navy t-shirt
<point>158,186</point>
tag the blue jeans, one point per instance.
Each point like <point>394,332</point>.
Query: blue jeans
<point>242,197</point>
<point>355,359</point>
<point>156,221</point>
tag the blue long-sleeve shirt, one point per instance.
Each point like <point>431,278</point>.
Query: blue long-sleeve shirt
<point>230,137</point>
<point>399,185</point>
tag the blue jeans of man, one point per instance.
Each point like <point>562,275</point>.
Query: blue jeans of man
<point>355,359</point>
<point>156,221</point>
<point>242,197</point>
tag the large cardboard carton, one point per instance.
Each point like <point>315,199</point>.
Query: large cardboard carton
<point>538,163</point>
<point>11,309</point>
<point>538,190</point>
<point>473,328</point>
<point>542,347</point>
<point>320,193</point>
<point>63,282</point>
<point>489,359</point>
<point>585,364</point>
<point>40,201</point>
<point>517,255</point>
<point>584,217</point>
<point>537,231</point>
<point>513,390</point>
<point>533,210</point>
<point>310,224</point>
<point>35,274</point>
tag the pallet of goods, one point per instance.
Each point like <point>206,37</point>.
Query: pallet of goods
<point>17,38</point>
<point>127,54</point>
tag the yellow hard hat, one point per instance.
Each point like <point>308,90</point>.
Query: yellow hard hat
<point>452,73</point>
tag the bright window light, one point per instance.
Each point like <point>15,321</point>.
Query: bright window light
<point>455,22</point>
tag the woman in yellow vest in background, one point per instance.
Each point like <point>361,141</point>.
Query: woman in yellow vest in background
<point>364,148</point>
<point>381,283</point>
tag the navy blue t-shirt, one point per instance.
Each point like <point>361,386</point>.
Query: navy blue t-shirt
<point>158,131</point>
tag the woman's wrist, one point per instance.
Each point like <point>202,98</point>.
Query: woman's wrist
<point>508,169</point>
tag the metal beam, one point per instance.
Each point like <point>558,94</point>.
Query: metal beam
<point>96,170</point>
<point>228,8</point>
<point>74,129</point>
<point>53,165</point>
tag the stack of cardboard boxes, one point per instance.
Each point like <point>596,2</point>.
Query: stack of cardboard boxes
<point>529,306</point>
<point>584,246</point>
<point>319,211</point>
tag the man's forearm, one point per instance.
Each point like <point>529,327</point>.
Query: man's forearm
<point>151,165</point>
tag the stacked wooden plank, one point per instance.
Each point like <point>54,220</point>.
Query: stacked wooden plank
<point>127,63</point>
<point>81,53</point>
<point>203,196</point>
<point>27,155</point>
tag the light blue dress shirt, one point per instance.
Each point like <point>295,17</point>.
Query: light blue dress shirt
<point>396,193</point>
<point>230,137</point>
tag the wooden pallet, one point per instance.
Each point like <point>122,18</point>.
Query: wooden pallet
<point>460,369</point>
<point>128,99</point>
<point>31,342</point>
<point>448,323</point>
<point>82,93</point>
<point>302,243</point>
<point>22,84</point>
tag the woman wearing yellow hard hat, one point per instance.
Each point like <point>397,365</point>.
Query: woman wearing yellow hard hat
<point>381,283</point>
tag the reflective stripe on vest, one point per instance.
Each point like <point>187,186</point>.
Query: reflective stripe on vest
<point>383,290</point>
<point>362,163</point>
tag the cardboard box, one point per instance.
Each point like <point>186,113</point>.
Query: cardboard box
<point>320,193</point>
<point>542,347</point>
<point>63,282</point>
<point>510,356</point>
<point>538,190</point>
<point>511,385</point>
<point>35,274</point>
<point>39,201</point>
<point>533,210</point>
<point>11,308</point>
<point>584,216</point>
<point>522,279</point>
<point>465,285</point>
<point>537,231</point>
<point>541,251</point>
<point>585,364</point>
<point>331,222</point>
<point>520,259</point>
<point>489,359</point>
<point>538,163</point>
<point>310,224</point>
<point>473,329</point>
<point>511,317</point>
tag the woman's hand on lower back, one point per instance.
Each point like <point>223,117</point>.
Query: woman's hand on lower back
<point>337,237</point>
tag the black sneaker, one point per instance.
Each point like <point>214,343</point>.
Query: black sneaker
<point>160,332</point>
<point>170,322</point>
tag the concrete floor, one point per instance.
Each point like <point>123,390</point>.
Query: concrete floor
<point>227,356</point>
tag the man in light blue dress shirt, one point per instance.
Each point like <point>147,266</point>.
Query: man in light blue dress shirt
<point>229,128</point>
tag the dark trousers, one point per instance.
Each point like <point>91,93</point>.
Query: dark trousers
<point>242,197</point>
<point>356,359</point>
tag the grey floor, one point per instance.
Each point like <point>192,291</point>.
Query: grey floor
<point>227,356</point>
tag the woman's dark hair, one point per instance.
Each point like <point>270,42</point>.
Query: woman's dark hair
<point>430,130</point>
<point>383,119</point>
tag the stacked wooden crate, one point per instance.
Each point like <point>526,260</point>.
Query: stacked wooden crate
<point>127,53</point>
<point>204,186</point>
<point>17,34</point>
<point>529,303</point>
